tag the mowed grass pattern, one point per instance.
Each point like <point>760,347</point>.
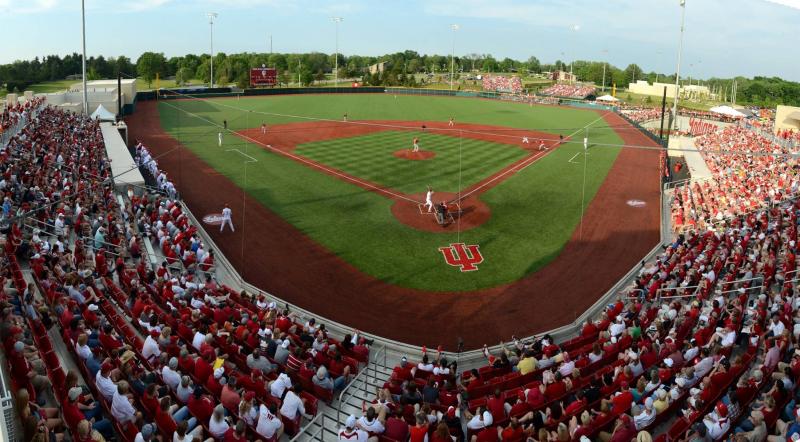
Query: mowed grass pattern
<point>533,213</point>
<point>371,157</point>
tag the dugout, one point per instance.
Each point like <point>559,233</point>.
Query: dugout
<point>123,167</point>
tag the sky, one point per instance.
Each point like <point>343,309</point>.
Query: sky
<point>722,37</point>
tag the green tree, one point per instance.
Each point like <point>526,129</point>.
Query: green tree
<point>149,65</point>
<point>183,75</point>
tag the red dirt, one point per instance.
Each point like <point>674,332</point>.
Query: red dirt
<point>284,261</point>
<point>421,155</point>
<point>474,212</point>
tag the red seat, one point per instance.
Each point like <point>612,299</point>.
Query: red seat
<point>291,426</point>
<point>323,393</point>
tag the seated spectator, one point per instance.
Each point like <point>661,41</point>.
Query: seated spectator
<point>269,424</point>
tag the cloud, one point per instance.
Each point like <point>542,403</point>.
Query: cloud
<point>788,3</point>
<point>27,6</point>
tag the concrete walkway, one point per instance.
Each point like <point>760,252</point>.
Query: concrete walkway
<point>694,161</point>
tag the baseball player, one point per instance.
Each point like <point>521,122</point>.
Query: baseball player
<point>525,140</point>
<point>415,146</point>
<point>451,122</point>
<point>226,219</point>
<point>429,199</point>
<point>263,128</point>
<point>542,146</point>
<point>219,138</point>
<point>585,143</point>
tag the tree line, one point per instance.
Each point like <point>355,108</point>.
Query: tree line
<point>402,69</point>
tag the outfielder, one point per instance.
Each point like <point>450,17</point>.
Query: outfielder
<point>429,199</point>
<point>415,146</point>
<point>219,138</point>
<point>226,219</point>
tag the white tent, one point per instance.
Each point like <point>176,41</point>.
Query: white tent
<point>727,110</point>
<point>102,114</point>
<point>607,98</point>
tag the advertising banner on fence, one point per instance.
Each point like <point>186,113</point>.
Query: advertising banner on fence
<point>263,76</point>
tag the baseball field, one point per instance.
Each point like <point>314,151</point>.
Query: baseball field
<point>330,213</point>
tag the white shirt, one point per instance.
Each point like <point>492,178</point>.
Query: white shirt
<point>292,404</point>
<point>373,427</point>
<point>476,423</point>
<point>226,213</point>
<point>425,367</point>
<point>441,371</point>
<point>121,408</point>
<point>84,351</point>
<point>691,353</point>
<point>278,387</point>
<point>616,328</point>
<point>354,436</point>
<point>715,428</point>
<point>105,386</point>
<point>186,437</point>
<point>728,339</point>
<point>217,428</point>
<point>644,419</point>
<point>268,423</point>
<point>776,329</point>
<point>150,348</point>
<point>566,368</point>
<point>171,377</point>
<point>428,195</point>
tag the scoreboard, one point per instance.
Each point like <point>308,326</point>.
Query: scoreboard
<point>263,76</point>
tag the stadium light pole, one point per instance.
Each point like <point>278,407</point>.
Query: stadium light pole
<point>336,20</point>
<point>605,54</point>
<point>454,27</point>
<point>678,69</point>
<point>83,62</point>
<point>211,17</point>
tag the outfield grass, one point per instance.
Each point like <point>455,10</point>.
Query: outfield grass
<point>533,213</point>
<point>371,157</point>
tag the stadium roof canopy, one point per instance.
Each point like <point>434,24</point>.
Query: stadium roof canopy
<point>606,98</point>
<point>102,114</point>
<point>727,110</point>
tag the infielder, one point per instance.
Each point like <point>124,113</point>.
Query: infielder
<point>451,122</point>
<point>226,219</point>
<point>415,146</point>
<point>263,128</point>
<point>429,199</point>
<point>219,137</point>
<point>525,140</point>
<point>542,146</point>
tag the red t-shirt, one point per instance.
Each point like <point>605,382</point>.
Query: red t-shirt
<point>230,436</point>
<point>201,408</point>
<point>396,429</point>
<point>72,414</point>
<point>512,434</point>
<point>165,422</point>
<point>418,433</point>
<point>496,406</point>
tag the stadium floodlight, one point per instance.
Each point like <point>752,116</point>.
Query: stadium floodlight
<point>336,20</point>
<point>678,69</point>
<point>454,27</point>
<point>211,16</point>
<point>605,54</point>
<point>83,62</point>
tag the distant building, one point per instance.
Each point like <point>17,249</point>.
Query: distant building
<point>378,67</point>
<point>787,117</point>
<point>563,77</point>
<point>691,92</point>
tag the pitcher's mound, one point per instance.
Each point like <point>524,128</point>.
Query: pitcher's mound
<point>474,213</point>
<point>406,154</point>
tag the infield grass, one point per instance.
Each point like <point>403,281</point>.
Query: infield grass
<point>533,213</point>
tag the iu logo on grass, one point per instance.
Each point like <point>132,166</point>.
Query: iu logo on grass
<point>463,256</point>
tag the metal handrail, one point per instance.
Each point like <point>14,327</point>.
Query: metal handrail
<point>374,364</point>
<point>344,391</point>
<point>313,436</point>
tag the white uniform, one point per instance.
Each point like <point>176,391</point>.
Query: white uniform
<point>585,143</point>
<point>429,200</point>
<point>219,136</point>
<point>416,147</point>
<point>226,219</point>
<point>525,140</point>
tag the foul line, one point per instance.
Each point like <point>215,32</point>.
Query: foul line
<point>252,160</point>
<point>301,159</point>
<point>525,163</point>
<point>573,157</point>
